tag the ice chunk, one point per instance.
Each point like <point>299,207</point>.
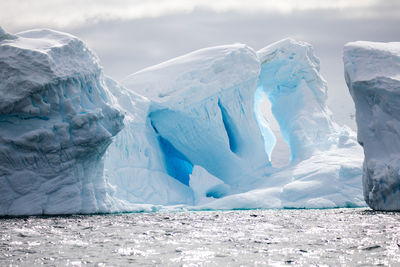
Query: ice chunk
<point>205,186</point>
<point>55,125</point>
<point>372,72</point>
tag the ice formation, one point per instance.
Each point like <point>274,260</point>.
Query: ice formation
<point>200,108</point>
<point>202,112</point>
<point>326,159</point>
<point>55,125</point>
<point>372,72</point>
<point>186,132</point>
<point>135,163</point>
<point>290,77</point>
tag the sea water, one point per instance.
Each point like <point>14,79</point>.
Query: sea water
<point>332,237</point>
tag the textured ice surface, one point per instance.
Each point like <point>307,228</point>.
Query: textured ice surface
<point>55,126</point>
<point>372,73</point>
<point>135,163</point>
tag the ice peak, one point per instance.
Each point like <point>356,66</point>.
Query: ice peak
<point>285,47</point>
<point>4,35</point>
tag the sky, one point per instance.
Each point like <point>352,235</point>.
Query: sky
<point>128,35</point>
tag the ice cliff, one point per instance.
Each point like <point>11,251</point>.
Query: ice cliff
<point>186,132</point>
<point>372,72</point>
<point>55,126</point>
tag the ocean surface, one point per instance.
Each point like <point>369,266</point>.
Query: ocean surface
<point>333,237</point>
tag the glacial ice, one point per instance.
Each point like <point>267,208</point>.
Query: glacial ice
<point>55,125</point>
<point>184,133</point>
<point>201,110</point>
<point>326,159</point>
<point>372,72</point>
<point>134,163</point>
<point>290,77</point>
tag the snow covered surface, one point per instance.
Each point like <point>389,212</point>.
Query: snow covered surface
<point>372,72</point>
<point>186,133</point>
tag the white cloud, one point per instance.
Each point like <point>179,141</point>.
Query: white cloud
<point>70,13</point>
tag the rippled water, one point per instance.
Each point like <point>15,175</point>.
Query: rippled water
<point>247,237</point>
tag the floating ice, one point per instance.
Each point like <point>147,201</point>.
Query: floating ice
<point>201,112</point>
<point>193,134</point>
<point>373,77</point>
<point>55,126</point>
<point>326,160</point>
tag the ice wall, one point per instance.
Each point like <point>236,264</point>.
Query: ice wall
<point>55,125</point>
<point>372,72</point>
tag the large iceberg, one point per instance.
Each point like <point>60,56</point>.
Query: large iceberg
<point>55,126</point>
<point>190,132</point>
<point>214,141</point>
<point>372,72</point>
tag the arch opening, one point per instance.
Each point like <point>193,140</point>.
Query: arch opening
<point>276,147</point>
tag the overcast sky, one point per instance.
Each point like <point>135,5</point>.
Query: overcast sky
<point>130,35</point>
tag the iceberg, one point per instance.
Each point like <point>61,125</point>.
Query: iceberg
<point>55,126</point>
<point>187,133</point>
<point>203,109</point>
<point>194,112</point>
<point>372,72</point>
<point>326,160</point>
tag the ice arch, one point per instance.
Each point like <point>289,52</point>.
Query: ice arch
<point>290,77</point>
<point>202,104</point>
<point>201,110</point>
<point>275,146</point>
